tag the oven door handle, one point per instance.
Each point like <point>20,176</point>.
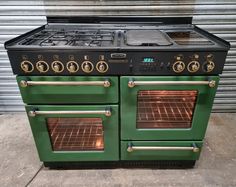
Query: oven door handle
<point>131,148</point>
<point>133,83</point>
<point>106,112</point>
<point>106,83</point>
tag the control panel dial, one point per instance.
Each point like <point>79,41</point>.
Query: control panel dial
<point>42,66</point>
<point>27,66</point>
<point>193,66</point>
<point>87,66</point>
<point>208,66</point>
<point>178,66</point>
<point>72,66</point>
<point>57,66</point>
<point>102,66</point>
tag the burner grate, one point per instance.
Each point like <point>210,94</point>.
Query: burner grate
<point>76,134</point>
<point>165,109</point>
<point>91,38</point>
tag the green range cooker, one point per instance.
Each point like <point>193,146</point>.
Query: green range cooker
<point>104,93</point>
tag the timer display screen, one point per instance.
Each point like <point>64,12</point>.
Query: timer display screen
<point>148,60</point>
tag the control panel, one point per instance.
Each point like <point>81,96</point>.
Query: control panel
<point>119,63</point>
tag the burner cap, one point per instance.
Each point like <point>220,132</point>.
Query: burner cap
<point>146,38</point>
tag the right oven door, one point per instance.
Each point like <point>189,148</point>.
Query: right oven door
<point>166,108</point>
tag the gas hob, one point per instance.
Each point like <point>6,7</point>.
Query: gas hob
<point>110,36</point>
<point>117,49</point>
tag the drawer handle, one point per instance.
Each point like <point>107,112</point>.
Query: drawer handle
<point>106,112</point>
<point>105,83</point>
<point>131,148</point>
<point>133,83</point>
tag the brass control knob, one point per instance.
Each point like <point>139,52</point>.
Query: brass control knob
<point>102,66</point>
<point>27,66</point>
<point>57,66</point>
<point>42,66</point>
<point>178,66</point>
<point>193,66</point>
<point>72,66</point>
<point>87,66</point>
<point>208,66</point>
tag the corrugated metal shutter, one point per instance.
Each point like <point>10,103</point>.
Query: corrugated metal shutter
<point>216,16</point>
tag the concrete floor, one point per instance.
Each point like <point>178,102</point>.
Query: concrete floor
<point>20,166</point>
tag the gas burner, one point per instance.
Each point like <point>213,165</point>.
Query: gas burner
<point>86,38</point>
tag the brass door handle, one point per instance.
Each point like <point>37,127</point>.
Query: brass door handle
<point>106,112</point>
<point>131,148</point>
<point>105,83</point>
<point>133,83</point>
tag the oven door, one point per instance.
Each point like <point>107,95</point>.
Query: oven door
<point>166,108</point>
<point>75,133</point>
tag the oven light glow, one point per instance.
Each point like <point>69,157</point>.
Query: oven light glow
<point>99,143</point>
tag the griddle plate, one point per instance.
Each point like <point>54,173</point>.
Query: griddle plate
<point>146,38</point>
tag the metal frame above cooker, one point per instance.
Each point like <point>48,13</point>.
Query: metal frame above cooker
<point>120,19</point>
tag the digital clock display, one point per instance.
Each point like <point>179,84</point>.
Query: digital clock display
<point>148,60</point>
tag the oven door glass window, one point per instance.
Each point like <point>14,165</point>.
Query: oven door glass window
<point>76,134</point>
<point>165,108</point>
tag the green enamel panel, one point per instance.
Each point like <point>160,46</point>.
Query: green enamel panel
<point>201,113</point>
<point>42,139</point>
<point>160,154</point>
<point>68,94</point>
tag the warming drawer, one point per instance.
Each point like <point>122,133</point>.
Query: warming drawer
<point>68,90</point>
<point>160,150</point>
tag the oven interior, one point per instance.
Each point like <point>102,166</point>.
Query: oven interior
<point>165,108</point>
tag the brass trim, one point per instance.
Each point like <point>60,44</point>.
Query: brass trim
<point>106,83</point>
<point>106,67</point>
<point>74,63</point>
<point>83,68</point>
<point>106,112</point>
<point>212,83</point>
<point>23,83</point>
<point>210,66</point>
<point>28,62</point>
<point>130,149</point>
<point>132,83</point>
<point>175,69</point>
<point>45,64</point>
<point>56,70</point>
<point>194,62</point>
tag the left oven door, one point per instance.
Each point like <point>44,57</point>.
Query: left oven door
<point>75,133</point>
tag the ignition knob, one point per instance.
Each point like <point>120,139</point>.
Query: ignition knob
<point>42,66</point>
<point>72,66</point>
<point>87,66</point>
<point>27,66</point>
<point>178,66</point>
<point>102,66</point>
<point>208,66</point>
<point>193,66</point>
<point>57,66</point>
